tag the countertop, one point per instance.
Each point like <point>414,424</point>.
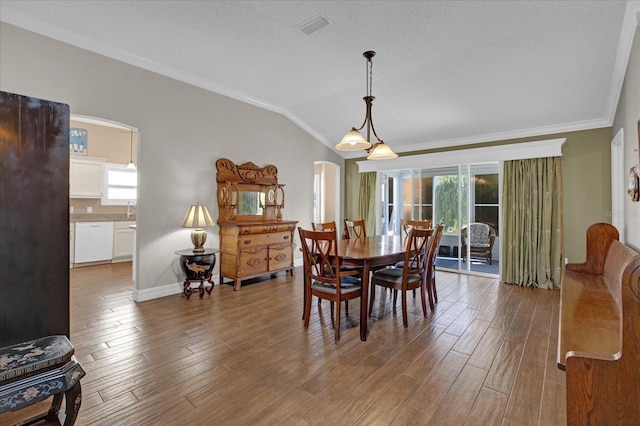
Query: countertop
<point>101,217</point>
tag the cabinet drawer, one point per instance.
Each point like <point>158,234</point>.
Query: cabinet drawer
<point>253,261</point>
<point>280,256</point>
<point>263,239</point>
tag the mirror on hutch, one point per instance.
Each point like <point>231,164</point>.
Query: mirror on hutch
<point>254,239</point>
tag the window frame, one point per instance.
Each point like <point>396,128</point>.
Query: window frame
<point>105,201</point>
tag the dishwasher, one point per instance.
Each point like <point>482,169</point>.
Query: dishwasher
<point>94,241</point>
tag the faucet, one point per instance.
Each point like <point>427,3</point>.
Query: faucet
<point>129,205</point>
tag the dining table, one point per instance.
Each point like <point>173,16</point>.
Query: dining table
<point>370,253</point>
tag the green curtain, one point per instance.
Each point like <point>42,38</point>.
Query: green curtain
<point>532,240</point>
<point>367,200</point>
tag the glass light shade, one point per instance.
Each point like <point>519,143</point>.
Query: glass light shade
<point>381,151</point>
<point>131,166</point>
<point>353,141</point>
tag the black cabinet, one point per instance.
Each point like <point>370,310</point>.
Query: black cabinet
<point>34,218</point>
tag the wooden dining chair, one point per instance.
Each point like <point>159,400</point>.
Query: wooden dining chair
<point>413,275</point>
<point>327,226</point>
<point>323,276</point>
<point>355,228</point>
<point>408,225</point>
<point>331,226</point>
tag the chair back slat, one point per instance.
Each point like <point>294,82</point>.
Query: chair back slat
<point>326,226</point>
<point>355,228</point>
<point>417,254</point>
<point>408,225</point>
<point>321,255</point>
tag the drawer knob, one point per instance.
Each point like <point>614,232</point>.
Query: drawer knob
<point>286,237</point>
<point>247,241</point>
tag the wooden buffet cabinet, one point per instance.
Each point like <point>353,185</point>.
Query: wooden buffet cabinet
<point>254,239</point>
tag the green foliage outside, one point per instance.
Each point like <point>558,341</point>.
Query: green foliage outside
<point>446,202</point>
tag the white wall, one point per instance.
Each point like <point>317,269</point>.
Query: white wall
<point>183,131</point>
<point>627,116</point>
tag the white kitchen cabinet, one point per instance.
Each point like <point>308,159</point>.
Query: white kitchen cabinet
<point>86,177</point>
<point>123,236</point>
<point>93,242</point>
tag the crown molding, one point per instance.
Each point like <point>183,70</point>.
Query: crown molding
<point>629,25</point>
<point>516,151</point>
<point>495,137</point>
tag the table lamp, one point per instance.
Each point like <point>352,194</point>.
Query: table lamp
<point>197,217</point>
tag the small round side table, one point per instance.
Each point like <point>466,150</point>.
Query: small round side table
<point>197,266</point>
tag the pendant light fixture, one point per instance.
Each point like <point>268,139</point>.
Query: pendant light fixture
<point>131,165</point>
<point>353,140</point>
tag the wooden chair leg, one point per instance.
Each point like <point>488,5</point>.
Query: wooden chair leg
<point>395,299</point>
<point>430,293</point>
<point>307,308</point>
<point>346,308</point>
<point>405,319</point>
<point>433,286</point>
<point>423,300</point>
<point>333,324</point>
<point>337,323</point>
<point>305,293</point>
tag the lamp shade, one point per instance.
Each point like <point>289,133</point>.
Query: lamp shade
<point>381,151</point>
<point>197,217</point>
<point>353,141</point>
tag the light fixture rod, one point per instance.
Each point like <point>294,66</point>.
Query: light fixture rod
<point>368,119</point>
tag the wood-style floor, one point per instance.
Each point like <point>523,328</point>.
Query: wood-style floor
<point>484,356</point>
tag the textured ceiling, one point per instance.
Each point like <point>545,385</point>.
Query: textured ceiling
<point>445,73</point>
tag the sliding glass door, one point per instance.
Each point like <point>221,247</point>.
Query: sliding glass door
<point>455,197</point>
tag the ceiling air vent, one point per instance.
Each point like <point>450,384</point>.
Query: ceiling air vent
<point>314,24</point>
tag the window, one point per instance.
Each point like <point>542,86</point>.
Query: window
<point>121,185</point>
<point>485,189</point>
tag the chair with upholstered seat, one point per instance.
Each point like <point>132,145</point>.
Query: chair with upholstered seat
<point>355,228</point>
<point>406,226</point>
<point>331,226</point>
<point>479,237</point>
<point>413,275</point>
<point>324,278</point>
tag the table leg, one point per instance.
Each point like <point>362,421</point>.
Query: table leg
<point>73,399</point>
<point>363,302</point>
<point>186,289</point>
<point>209,288</point>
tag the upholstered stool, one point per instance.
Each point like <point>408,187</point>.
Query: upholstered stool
<point>33,371</point>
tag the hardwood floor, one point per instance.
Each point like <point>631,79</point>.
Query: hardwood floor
<point>484,356</point>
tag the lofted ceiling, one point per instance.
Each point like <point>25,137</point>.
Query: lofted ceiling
<point>446,72</point>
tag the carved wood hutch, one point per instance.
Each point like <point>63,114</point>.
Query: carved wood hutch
<point>254,239</point>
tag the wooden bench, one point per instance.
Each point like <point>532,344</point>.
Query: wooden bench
<point>33,371</point>
<point>599,332</point>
